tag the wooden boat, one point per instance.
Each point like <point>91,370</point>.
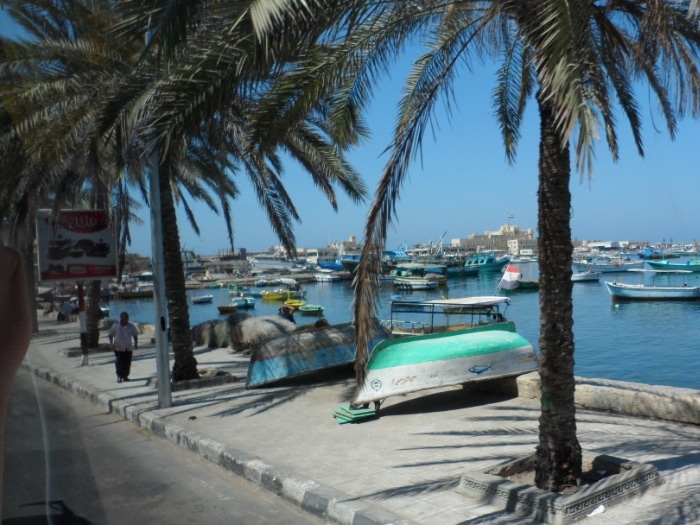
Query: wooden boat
<point>310,309</point>
<point>227,308</point>
<point>326,277</point>
<point>282,294</point>
<point>135,293</point>
<point>588,276</point>
<point>653,292</point>
<point>420,269</point>
<point>528,285</point>
<point>485,262</point>
<point>411,317</point>
<point>412,364</point>
<point>415,283</point>
<point>295,303</point>
<point>243,302</point>
<point>691,265</point>
<point>202,299</point>
<point>306,351</point>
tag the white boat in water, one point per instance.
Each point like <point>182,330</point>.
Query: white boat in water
<point>653,292</point>
<point>585,277</point>
<point>202,299</point>
<point>606,264</point>
<point>415,283</point>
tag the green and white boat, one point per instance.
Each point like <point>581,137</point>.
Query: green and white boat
<point>412,364</point>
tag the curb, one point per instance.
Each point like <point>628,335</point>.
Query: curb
<point>310,496</point>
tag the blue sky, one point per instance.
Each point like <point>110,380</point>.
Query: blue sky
<point>464,185</point>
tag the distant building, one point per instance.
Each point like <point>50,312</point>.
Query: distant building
<point>509,238</point>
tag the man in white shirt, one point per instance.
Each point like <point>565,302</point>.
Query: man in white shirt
<point>124,339</point>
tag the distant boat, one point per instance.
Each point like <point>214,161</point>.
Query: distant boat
<point>606,264</point>
<point>227,308</point>
<point>653,292</point>
<point>243,302</point>
<point>136,293</point>
<point>306,351</point>
<point>295,303</point>
<point>691,265</point>
<point>415,283</point>
<point>282,294</point>
<point>310,309</point>
<point>585,277</point>
<point>326,276</point>
<point>433,271</point>
<point>485,262</point>
<point>202,299</point>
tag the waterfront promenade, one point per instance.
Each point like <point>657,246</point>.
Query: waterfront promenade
<point>405,466</point>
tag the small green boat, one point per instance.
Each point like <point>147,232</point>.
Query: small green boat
<point>310,309</point>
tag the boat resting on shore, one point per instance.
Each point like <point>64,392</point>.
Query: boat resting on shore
<point>411,364</point>
<point>306,351</point>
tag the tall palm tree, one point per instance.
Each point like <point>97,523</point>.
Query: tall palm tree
<point>575,56</point>
<point>192,109</point>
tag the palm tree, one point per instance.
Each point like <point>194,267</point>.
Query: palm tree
<point>194,109</point>
<point>577,55</point>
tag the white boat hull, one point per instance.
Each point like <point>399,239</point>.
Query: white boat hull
<point>642,292</point>
<point>471,355</point>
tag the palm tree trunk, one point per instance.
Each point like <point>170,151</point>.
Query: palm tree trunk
<point>558,455</point>
<point>185,365</point>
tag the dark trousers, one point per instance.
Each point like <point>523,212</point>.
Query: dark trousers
<point>123,363</point>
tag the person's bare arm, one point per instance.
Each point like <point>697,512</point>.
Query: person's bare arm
<point>16,328</point>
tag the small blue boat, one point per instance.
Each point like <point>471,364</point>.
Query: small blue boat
<point>485,262</point>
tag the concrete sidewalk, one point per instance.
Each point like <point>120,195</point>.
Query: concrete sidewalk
<point>402,468</point>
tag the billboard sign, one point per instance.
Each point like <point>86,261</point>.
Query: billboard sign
<point>79,246</point>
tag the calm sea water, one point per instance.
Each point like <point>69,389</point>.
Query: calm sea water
<point>646,342</point>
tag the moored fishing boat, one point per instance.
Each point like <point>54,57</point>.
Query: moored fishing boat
<point>231,308</point>
<point>306,351</point>
<point>585,277</point>
<point>691,265</point>
<point>653,292</point>
<point>415,283</point>
<point>202,299</point>
<point>243,302</point>
<point>484,262</point>
<point>606,264</point>
<point>432,271</point>
<point>326,276</point>
<point>282,294</point>
<point>444,359</point>
<point>295,303</point>
<point>310,309</point>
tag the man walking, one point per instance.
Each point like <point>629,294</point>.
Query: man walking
<point>121,335</point>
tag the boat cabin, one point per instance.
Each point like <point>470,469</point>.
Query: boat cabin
<point>411,317</point>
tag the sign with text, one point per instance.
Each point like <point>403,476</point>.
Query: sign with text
<point>78,246</point>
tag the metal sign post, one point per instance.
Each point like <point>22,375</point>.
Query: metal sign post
<point>161,326</point>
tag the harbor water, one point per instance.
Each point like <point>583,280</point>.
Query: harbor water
<point>647,341</point>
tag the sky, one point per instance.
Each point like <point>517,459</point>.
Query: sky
<point>463,184</point>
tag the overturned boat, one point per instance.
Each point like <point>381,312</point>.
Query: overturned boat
<point>306,351</point>
<point>410,364</point>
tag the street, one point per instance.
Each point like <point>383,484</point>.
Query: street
<point>104,470</point>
